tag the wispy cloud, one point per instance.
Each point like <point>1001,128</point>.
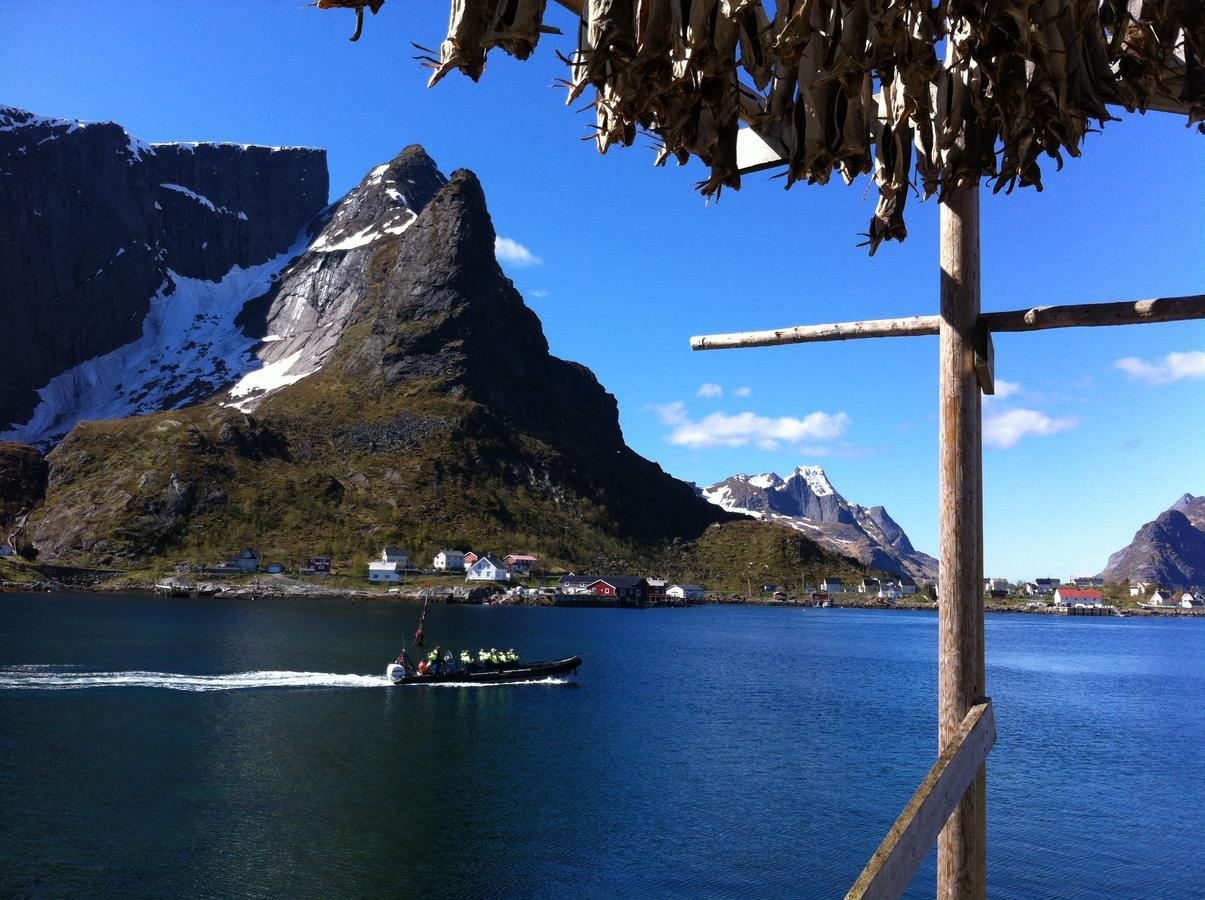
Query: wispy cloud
<point>513,252</point>
<point>1005,428</point>
<point>742,429</point>
<point>1173,367</point>
<point>538,294</point>
<point>709,390</point>
<point>1006,388</point>
<point>742,392</point>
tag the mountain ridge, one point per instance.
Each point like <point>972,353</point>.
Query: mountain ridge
<point>1169,550</point>
<point>808,502</point>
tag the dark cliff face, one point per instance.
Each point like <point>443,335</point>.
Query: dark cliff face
<point>22,484</point>
<point>91,231</point>
<point>1169,550</point>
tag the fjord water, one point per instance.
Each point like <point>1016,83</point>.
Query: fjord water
<point>217,748</point>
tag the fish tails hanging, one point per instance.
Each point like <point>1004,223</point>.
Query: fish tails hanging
<point>856,86</point>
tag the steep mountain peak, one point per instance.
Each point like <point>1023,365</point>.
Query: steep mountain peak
<point>1185,502</point>
<point>385,202</point>
<point>816,480</point>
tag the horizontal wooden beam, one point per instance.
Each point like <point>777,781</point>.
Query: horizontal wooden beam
<point>1037,318</point>
<point>894,863</point>
<point>1089,315</point>
<point>810,334</point>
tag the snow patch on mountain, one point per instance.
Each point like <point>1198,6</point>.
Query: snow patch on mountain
<point>816,480</point>
<point>807,502</point>
<point>204,201</point>
<point>189,348</point>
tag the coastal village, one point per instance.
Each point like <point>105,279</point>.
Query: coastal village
<point>464,576</point>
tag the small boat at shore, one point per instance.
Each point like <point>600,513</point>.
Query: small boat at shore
<point>486,674</point>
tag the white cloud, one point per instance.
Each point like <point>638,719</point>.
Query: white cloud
<point>1173,367</point>
<point>742,392</point>
<point>709,390</point>
<point>743,429</point>
<point>538,294</point>
<point>513,252</point>
<point>1005,389</point>
<point>1004,429</point>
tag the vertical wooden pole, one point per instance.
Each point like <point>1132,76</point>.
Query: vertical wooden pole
<point>962,846</point>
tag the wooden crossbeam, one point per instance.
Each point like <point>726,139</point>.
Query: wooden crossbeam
<point>894,864</point>
<point>1037,318</point>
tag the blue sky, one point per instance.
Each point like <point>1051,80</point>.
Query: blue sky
<point>627,262</point>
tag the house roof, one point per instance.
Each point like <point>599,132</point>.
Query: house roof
<point>452,552</point>
<point>1080,593</point>
<point>382,566</point>
<point>492,560</point>
<point>520,556</point>
<point>577,579</point>
<point>397,551</point>
<point>618,581</point>
<point>687,587</point>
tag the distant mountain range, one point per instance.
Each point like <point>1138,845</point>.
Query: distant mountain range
<point>807,501</point>
<point>1168,551</point>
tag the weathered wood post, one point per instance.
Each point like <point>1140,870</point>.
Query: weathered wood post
<point>962,846</point>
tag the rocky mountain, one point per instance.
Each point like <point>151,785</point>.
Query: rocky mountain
<point>247,366</point>
<point>1168,551</point>
<point>807,502</point>
<point>125,264</point>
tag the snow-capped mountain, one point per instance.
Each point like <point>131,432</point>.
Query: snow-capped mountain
<point>196,268</point>
<point>126,262</point>
<point>807,501</point>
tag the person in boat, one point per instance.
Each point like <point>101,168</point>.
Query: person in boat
<point>435,661</point>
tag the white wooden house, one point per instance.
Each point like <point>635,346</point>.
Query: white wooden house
<point>1041,587</point>
<point>684,592</point>
<point>487,568</point>
<point>398,555</point>
<point>1073,596</point>
<point>1162,597</point>
<point>868,586</point>
<point>1139,589</point>
<point>379,570</point>
<point>1189,600</point>
<point>907,586</point>
<point>449,561</point>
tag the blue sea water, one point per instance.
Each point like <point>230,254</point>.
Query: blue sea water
<point>231,748</point>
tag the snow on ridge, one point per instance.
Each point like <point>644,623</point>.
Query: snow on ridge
<point>204,201</point>
<point>193,145</point>
<point>816,480</point>
<point>190,347</point>
<point>766,480</point>
<point>12,118</point>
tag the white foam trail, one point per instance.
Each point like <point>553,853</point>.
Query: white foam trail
<point>65,678</point>
<point>61,678</point>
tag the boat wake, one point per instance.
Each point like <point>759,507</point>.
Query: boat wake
<point>66,678</point>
